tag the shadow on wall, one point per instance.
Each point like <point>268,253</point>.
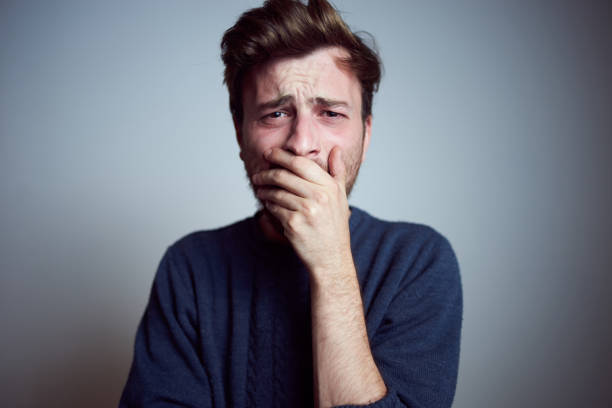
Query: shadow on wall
<point>71,319</point>
<point>89,374</point>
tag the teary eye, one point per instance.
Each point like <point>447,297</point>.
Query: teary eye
<point>332,114</point>
<point>276,118</point>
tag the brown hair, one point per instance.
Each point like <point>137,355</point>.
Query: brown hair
<point>289,28</point>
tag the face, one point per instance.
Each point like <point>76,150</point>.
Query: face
<point>305,105</point>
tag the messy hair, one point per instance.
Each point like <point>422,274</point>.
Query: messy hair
<point>290,28</point>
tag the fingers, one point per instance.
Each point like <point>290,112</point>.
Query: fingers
<point>299,180</point>
<point>279,197</point>
<point>336,165</point>
<point>301,166</point>
<point>284,179</point>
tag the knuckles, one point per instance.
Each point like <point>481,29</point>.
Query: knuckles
<point>273,193</point>
<point>310,209</point>
<point>293,222</point>
<point>275,175</point>
<point>268,176</point>
<point>320,198</point>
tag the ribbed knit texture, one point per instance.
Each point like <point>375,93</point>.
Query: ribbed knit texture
<point>228,319</point>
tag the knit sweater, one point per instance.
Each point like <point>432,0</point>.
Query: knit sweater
<point>228,319</point>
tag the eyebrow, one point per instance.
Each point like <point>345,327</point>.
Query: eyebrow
<point>285,99</point>
<point>330,103</point>
<point>280,101</point>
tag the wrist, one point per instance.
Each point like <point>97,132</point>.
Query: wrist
<point>339,267</point>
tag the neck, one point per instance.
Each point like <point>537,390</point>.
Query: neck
<point>271,227</point>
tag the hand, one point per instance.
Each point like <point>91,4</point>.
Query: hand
<point>311,205</point>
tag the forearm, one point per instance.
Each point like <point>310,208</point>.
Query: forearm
<point>344,369</point>
<point>312,208</point>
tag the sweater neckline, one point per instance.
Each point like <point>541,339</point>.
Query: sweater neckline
<point>265,247</point>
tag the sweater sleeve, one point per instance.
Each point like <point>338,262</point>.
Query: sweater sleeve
<point>416,347</point>
<point>167,370</point>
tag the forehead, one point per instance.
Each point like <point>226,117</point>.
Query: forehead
<point>318,74</point>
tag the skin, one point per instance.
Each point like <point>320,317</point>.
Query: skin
<point>302,141</point>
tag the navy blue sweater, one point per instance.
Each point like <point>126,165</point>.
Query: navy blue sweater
<point>228,319</point>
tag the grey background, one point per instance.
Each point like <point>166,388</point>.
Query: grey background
<point>492,124</point>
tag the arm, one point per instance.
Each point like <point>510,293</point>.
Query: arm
<point>313,209</point>
<point>344,369</point>
<point>166,370</point>
<point>413,354</point>
<point>415,340</point>
<point>415,337</point>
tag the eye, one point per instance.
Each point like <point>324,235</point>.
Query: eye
<point>276,118</point>
<point>332,114</point>
<point>276,115</point>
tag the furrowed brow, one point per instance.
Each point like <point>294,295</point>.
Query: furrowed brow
<point>330,103</point>
<point>276,103</point>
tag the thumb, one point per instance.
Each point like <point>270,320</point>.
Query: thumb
<point>336,165</point>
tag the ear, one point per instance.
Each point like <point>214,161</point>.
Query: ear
<point>367,134</point>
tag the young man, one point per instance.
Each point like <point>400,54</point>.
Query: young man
<point>310,301</point>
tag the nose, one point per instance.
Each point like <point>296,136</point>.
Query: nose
<point>303,139</point>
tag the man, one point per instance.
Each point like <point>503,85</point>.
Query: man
<point>310,301</point>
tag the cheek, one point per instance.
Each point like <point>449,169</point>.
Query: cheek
<point>261,140</point>
<point>249,138</point>
<point>255,143</point>
<point>347,136</point>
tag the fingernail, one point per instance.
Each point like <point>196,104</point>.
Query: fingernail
<point>267,153</point>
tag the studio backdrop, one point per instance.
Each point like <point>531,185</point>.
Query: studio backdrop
<point>492,124</point>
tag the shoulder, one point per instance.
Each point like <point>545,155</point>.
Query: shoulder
<point>196,264</point>
<point>211,241</point>
<point>195,255</point>
<point>400,236</point>
<point>409,257</point>
<point>412,263</point>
